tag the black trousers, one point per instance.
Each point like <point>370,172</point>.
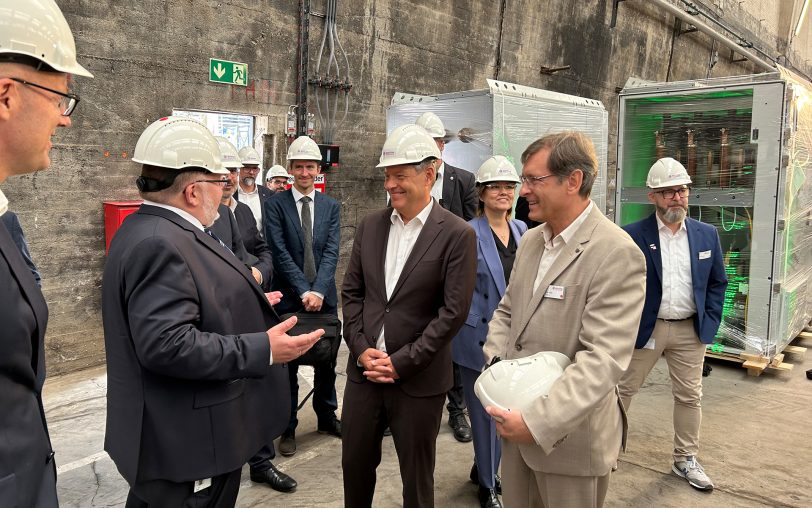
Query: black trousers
<point>456,401</point>
<point>165,494</point>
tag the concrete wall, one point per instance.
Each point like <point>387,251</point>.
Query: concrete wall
<point>152,56</point>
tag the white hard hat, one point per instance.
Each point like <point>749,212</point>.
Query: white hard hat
<point>276,171</point>
<point>667,172</point>
<point>497,169</point>
<point>408,144</point>
<point>515,384</point>
<point>177,142</point>
<point>432,124</point>
<point>248,155</point>
<point>37,29</point>
<point>304,149</point>
<point>228,153</point>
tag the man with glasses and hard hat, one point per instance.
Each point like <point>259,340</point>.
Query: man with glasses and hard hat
<point>577,288</point>
<point>685,291</point>
<point>277,178</point>
<point>250,192</point>
<point>37,61</point>
<point>406,293</point>
<point>195,352</point>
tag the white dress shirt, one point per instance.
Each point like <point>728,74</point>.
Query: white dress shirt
<point>252,200</point>
<point>554,246</point>
<point>437,188</point>
<point>678,289</point>
<point>297,198</point>
<point>399,245</point>
<point>3,203</point>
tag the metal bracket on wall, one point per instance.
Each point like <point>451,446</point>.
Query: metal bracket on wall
<point>552,70</point>
<point>734,59</point>
<point>615,4</point>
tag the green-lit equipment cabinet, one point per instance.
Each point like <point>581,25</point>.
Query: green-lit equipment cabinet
<point>746,143</point>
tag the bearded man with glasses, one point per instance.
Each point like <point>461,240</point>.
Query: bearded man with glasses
<point>685,290</point>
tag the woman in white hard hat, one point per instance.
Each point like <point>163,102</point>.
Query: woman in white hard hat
<point>497,239</point>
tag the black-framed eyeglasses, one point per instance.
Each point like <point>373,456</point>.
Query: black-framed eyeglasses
<point>68,102</point>
<point>670,193</point>
<point>533,180</point>
<point>499,187</point>
<point>220,182</point>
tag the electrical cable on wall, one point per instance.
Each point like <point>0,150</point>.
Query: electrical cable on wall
<point>335,80</point>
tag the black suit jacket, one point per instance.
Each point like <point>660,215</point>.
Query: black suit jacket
<point>244,240</point>
<point>264,195</point>
<point>428,306</point>
<point>459,192</point>
<point>283,229</point>
<point>190,393</point>
<point>25,447</point>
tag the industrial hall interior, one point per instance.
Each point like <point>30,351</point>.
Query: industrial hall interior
<point>380,253</point>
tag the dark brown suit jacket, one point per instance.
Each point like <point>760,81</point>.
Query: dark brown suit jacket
<point>428,305</point>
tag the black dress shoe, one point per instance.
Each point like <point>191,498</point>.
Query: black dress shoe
<point>474,476</point>
<point>333,427</point>
<point>488,498</point>
<point>275,478</point>
<point>462,431</point>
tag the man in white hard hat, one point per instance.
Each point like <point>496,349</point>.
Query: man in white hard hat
<point>37,61</point>
<point>455,190</point>
<point>577,287</point>
<point>685,291</point>
<point>250,192</point>
<point>194,348</point>
<point>406,293</point>
<point>277,178</point>
<point>235,224</point>
<point>303,228</point>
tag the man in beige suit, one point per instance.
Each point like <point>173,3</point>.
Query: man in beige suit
<point>577,287</point>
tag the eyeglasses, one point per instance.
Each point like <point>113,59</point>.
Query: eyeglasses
<point>533,180</point>
<point>249,169</point>
<point>219,182</point>
<point>68,102</point>
<point>499,187</point>
<point>670,193</point>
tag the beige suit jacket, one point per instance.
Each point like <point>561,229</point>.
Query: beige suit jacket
<point>580,426</point>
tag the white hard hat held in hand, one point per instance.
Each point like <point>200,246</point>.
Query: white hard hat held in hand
<point>515,384</point>
<point>667,172</point>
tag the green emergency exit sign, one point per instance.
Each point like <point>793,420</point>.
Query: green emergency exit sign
<point>224,71</point>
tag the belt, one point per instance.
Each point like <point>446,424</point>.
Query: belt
<point>674,320</point>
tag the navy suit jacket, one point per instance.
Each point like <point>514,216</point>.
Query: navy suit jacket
<point>490,287</point>
<point>708,276</point>
<point>283,232</point>
<point>25,447</point>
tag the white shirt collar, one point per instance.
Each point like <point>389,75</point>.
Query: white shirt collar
<point>420,217</point>
<point>297,196</point>
<point>182,213</point>
<point>3,203</point>
<point>255,191</point>
<point>232,204</point>
<point>440,170</point>
<point>661,224</point>
<point>570,230</point>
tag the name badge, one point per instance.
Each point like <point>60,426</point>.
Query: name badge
<point>554,292</point>
<point>202,484</point>
<point>705,254</point>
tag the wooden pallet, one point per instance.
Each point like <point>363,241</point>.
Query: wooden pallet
<point>756,364</point>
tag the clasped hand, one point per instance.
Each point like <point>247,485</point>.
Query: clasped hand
<point>378,366</point>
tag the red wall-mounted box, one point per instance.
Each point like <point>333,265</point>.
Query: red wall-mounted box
<point>114,214</point>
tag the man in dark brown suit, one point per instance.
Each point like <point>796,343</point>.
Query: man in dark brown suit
<point>406,293</point>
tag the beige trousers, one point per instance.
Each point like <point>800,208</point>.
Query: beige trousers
<point>523,487</point>
<point>684,354</point>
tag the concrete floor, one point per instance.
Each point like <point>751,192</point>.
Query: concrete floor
<point>755,446</point>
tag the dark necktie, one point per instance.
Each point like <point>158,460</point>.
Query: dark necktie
<point>211,234</point>
<point>307,230</point>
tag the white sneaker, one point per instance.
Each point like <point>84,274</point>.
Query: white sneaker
<point>693,472</point>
